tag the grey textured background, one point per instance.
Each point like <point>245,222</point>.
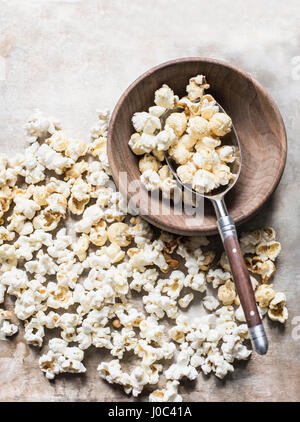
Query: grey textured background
<point>69,57</point>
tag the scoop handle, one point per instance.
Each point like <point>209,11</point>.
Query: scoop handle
<point>241,278</point>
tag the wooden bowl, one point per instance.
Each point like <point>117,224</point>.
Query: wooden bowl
<point>254,114</point>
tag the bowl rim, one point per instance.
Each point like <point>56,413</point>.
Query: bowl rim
<point>212,230</point>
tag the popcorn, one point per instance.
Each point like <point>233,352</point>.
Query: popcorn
<point>34,333</point>
<point>226,293</point>
<point>98,234</point>
<point>150,354</point>
<point>224,262</point>
<point>170,189</point>
<point>208,107</point>
<point>8,258</point>
<point>198,127</point>
<point>136,146</point>
<point>43,265</point>
<point>157,111</point>
<point>15,280</point>
<point>179,153</point>
<point>264,294</point>
<point>80,196</point>
<point>196,87</point>
<point>239,314</point>
<point>68,323</point>
<point>151,180</point>
<point>169,394</point>
<point>264,268</point>
<point>151,330</point>
<point>61,358</point>
<point>59,141</point>
<point>177,122</point>
<point>145,280</point>
<point>186,172</point>
<point>217,364</point>
<point>25,206</point>
<point>81,246</point>
<point>204,181</point>
<point>8,329</point>
<point>196,282</point>
<point>217,277</point>
<point>6,235</point>
<point>91,288</point>
<point>76,149</point>
<point>277,309</point>
<point>59,296</point>
<point>148,162</point>
<point>226,153</point>
<point>76,171</point>
<point>210,303</point>
<point>145,122</point>
<point>46,221</point>
<point>5,199</point>
<point>111,254</point>
<point>164,97</point>
<point>39,126</point>
<point>186,300</point>
<point>268,234</point>
<point>53,160</point>
<point>57,204</point>
<point>119,233</point>
<point>19,224</point>
<point>133,383</point>
<point>165,139</point>
<point>96,176</point>
<point>174,284</point>
<point>100,129</point>
<point>27,304</point>
<point>268,250</point>
<point>158,305</point>
<point>181,368</point>
<point>91,216</point>
<point>220,124</point>
<point>58,249</point>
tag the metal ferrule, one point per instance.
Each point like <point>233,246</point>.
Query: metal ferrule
<point>226,227</point>
<point>225,222</point>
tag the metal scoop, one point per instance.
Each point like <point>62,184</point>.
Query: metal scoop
<point>228,234</point>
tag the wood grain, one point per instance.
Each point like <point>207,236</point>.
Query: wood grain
<point>256,119</point>
<point>242,281</point>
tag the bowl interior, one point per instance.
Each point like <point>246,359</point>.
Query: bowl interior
<point>257,122</point>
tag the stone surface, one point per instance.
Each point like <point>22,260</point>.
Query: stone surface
<point>68,57</point>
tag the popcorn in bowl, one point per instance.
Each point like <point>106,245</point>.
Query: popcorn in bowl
<point>73,257</point>
<point>190,136</point>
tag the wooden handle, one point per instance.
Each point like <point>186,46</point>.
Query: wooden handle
<point>242,280</point>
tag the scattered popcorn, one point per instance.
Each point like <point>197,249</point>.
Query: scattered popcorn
<point>169,394</point>
<point>226,293</point>
<point>186,300</point>
<point>264,294</point>
<point>277,309</point>
<point>40,126</point>
<point>78,279</point>
<point>210,303</point>
<point>8,329</point>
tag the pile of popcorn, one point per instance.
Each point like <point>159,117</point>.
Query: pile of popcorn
<point>71,255</point>
<point>190,134</point>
